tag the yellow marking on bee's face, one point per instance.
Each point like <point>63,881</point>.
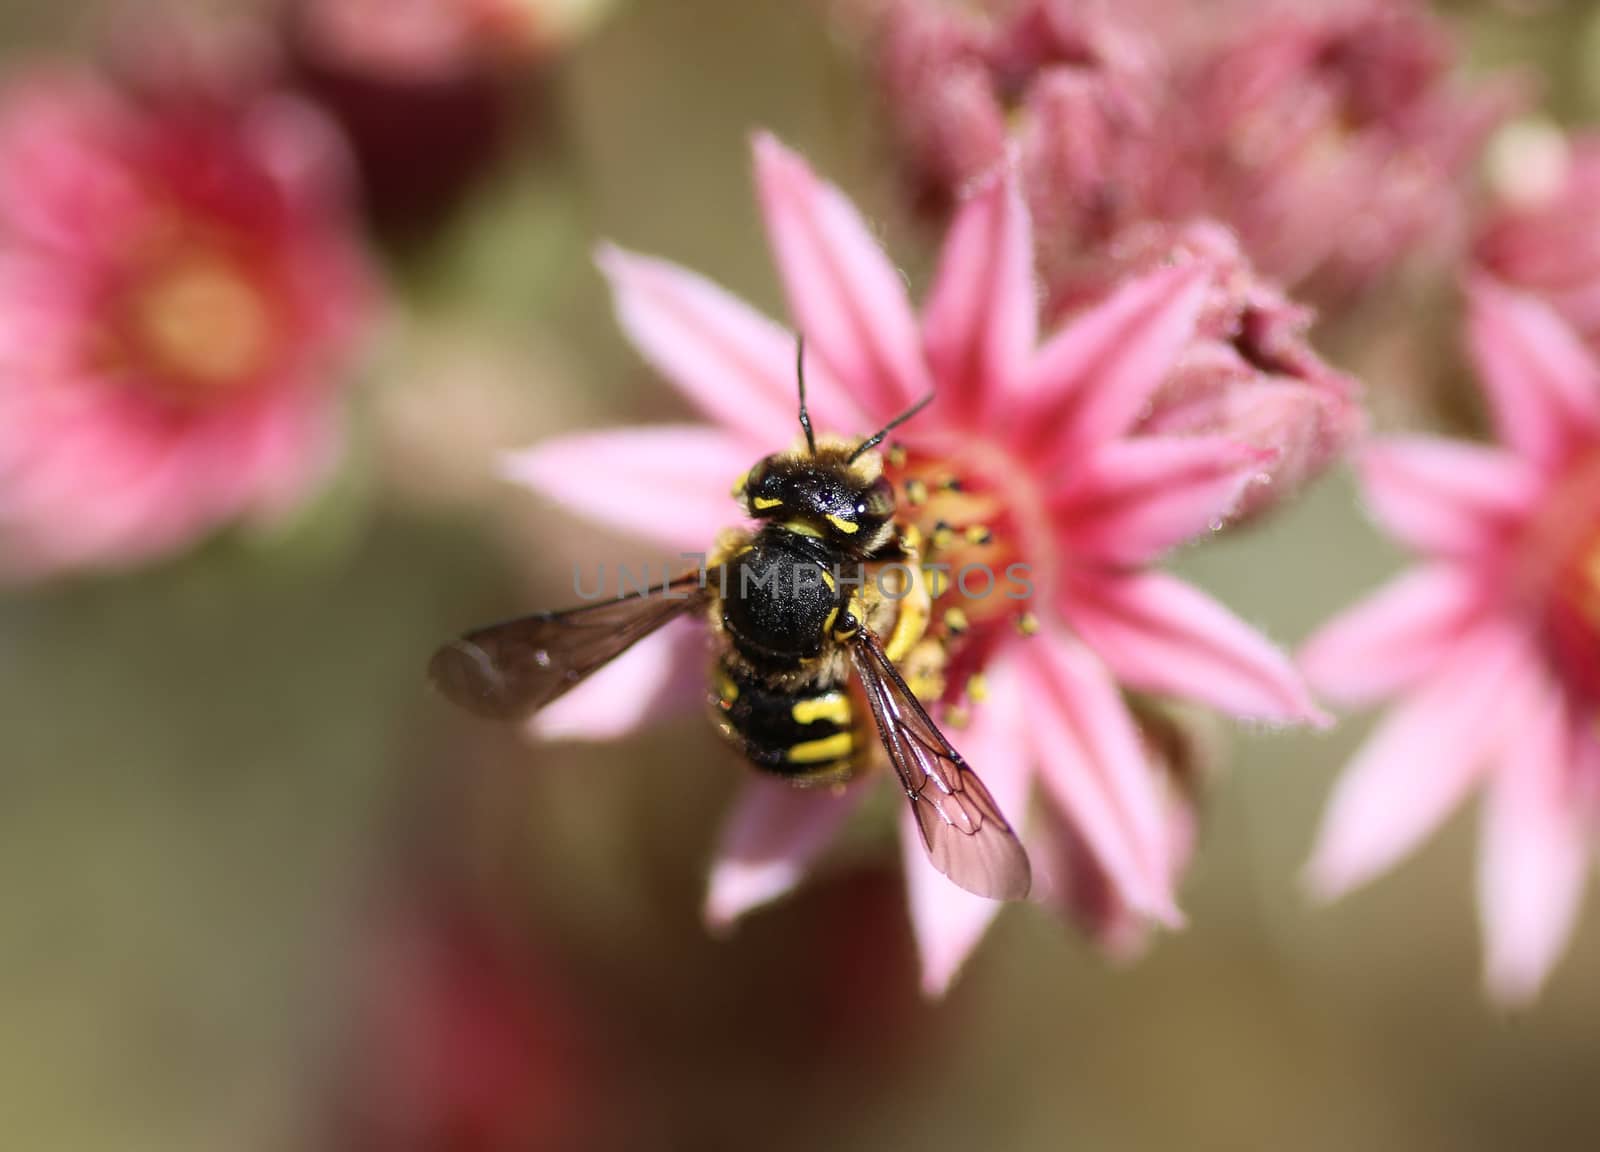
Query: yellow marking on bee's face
<point>848,527</point>
<point>801,528</point>
<point>833,618</point>
<point>834,706</point>
<point>834,747</point>
<point>763,503</point>
<point>827,578</point>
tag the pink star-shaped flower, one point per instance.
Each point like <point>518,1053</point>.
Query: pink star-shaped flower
<point>1490,646</point>
<point>1025,457</point>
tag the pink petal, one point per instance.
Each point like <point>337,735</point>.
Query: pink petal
<point>846,296</point>
<point>1534,857</point>
<point>981,318</point>
<point>1134,499</point>
<point>663,675</point>
<point>1395,637</point>
<point>1069,877</point>
<point>1415,768</point>
<point>669,484</point>
<point>1162,635</point>
<point>728,360</point>
<point>771,839</point>
<point>1543,387</point>
<point>1091,381</point>
<point>948,922</point>
<point>1091,761</point>
<point>1446,497</point>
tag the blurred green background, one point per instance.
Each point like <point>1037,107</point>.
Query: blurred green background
<point>221,774</point>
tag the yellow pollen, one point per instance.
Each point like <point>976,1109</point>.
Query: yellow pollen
<point>944,537</point>
<point>739,487</point>
<point>916,493</point>
<point>897,456</point>
<point>978,689</point>
<point>979,534</point>
<point>1028,624</point>
<point>957,717</point>
<point>203,321</point>
<point>956,621</point>
<point>727,690</point>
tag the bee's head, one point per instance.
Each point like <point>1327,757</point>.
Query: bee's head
<point>848,504</point>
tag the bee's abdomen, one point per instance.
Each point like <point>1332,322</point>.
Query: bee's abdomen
<point>807,735</point>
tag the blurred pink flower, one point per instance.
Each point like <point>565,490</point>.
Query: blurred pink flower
<point>1491,645</point>
<point>179,290</point>
<point>1333,137</point>
<point>1025,458</point>
<point>1544,238</point>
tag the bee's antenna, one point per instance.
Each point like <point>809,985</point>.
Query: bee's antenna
<point>800,374</point>
<point>876,438</point>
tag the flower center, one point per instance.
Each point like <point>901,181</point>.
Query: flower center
<point>1566,545</point>
<point>1572,621</point>
<point>985,538</point>
<point>200,326</point>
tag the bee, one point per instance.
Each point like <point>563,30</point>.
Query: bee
<point>799,647</point>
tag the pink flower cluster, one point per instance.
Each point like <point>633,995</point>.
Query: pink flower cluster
<point>1332,138</point>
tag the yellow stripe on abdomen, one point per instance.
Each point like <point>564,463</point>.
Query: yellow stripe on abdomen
<point>835,747</point>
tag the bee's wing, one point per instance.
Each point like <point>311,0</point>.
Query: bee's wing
<point>511,670</point>
<point>966,835</point>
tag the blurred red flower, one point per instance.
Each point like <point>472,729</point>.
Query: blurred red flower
<point>464,1041</point>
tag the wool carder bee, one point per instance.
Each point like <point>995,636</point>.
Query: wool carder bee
<point>820,608</point>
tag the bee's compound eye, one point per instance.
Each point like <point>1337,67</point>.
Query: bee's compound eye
<point>754,489</point>
<point>878,501</point>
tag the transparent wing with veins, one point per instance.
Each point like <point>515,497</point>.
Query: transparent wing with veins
<point>509,671</point>
<point>967,837</point>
